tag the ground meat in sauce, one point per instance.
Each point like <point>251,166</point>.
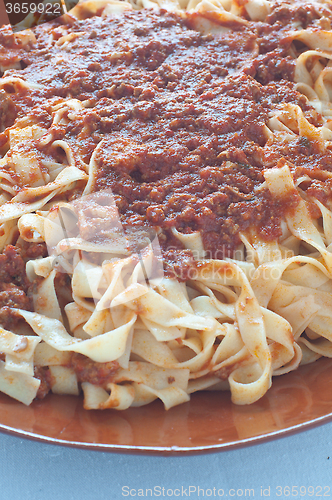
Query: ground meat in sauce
<point>14,287</point>
<point>89,371</point>
<point>32,251</point>
<point>179,116</point>
<point>44,375</point>
<point>85,369</point>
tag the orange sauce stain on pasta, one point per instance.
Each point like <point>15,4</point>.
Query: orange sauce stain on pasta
<point>42,302</point>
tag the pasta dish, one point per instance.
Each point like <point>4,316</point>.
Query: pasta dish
<point>165,199</point>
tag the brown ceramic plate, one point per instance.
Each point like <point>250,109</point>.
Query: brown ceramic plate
<point>209,422</point>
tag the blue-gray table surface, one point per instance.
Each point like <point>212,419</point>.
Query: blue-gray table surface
<point>295,466</point>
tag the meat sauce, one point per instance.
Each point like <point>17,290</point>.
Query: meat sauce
<point>89,371</point>
<point>180,118</point>
<point>14,287</point>
<point>86,370</point>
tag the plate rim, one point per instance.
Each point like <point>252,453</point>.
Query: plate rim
<point>170,450</point>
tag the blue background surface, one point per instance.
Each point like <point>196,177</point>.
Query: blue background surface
<point>34,470</point>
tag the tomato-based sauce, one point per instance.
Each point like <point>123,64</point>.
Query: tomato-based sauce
<point>95,373</point>
<point>14,287</point>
